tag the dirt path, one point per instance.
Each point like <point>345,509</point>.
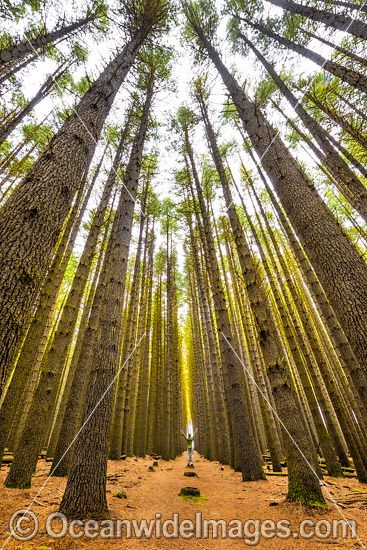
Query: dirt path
<point>151,493</point>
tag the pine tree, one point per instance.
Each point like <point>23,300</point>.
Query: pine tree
<point>33,216</point>
<point>85,492</point>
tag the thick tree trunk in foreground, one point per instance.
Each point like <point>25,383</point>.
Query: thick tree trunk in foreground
<point>54,359</point>
<point>338,265</point>
<point>35,341</point>
<point>85,494</point>
<point>33,216</point>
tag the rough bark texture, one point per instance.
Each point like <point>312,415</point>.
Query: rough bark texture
<point>339,22</point>
<point>338,265</point>
<point>85,493</point>
<point>249,461</point>
<point>52,364</point>
<point>34,343</point>
<point>295,437</point>
<point>32,218</point>
<point>354,78</point>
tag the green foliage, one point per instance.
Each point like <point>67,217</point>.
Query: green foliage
<point>42,134</point>
<point>210,178</point>
<point>140,14</point>
<point>230,113</point>
<point>35,5</point>
<point>201,16</point>
<point>100,9</point>
<point>194,500</point>
<point>154,63</point>
<point>63,81</point>
<point>185,120</point>
<point>153,206</point>
<point>18,99</point>
<point>63,115</point>
<point>5,149</point>
<point>238,44</point>
<point>264,90</point>
<point>228,148</point>
<point>15,11</point>
<point>70,270</point>
<point>293,138</point>
<point>169,216</point>
<point>6,40</point>
<point>251,8</point>
<point>112,134</point>
<point>292,24</point>
<point>82,86</point>
<point>80,52</point>
<point>160,261</point>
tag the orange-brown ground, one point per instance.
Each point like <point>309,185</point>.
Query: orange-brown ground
<point>149,493</point>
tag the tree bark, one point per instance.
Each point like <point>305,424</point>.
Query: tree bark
<point>339,267</point>
<point>85,494</point>
<point>33,216</point>
<point>339,22</point>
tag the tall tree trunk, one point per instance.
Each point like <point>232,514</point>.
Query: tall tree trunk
<point>323,437</point>
<point>33,216</point>
<point>34,343</point>
<point>354,78</point>
<point>54,359</point>
<point>303,484</point>
<point>338,337</point>
<point>121,406</point>
<point>339,22</point>
<point>336,165</point>
<point>141,334</point>
<point>248,459</point>
<point>341,121</point>
<point>55,435</point>
<point>350,5</point>
<point>362,61</point>
<point>17,52</point>
<point>85,494</point>
<point>142,417</point>
<point>339,267</point>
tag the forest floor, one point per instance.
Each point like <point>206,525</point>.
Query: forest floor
<point>156,492</point>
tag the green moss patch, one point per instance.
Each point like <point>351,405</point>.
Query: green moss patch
<point>195,500</point>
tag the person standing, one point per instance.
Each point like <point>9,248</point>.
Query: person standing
<point>190,450</point>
